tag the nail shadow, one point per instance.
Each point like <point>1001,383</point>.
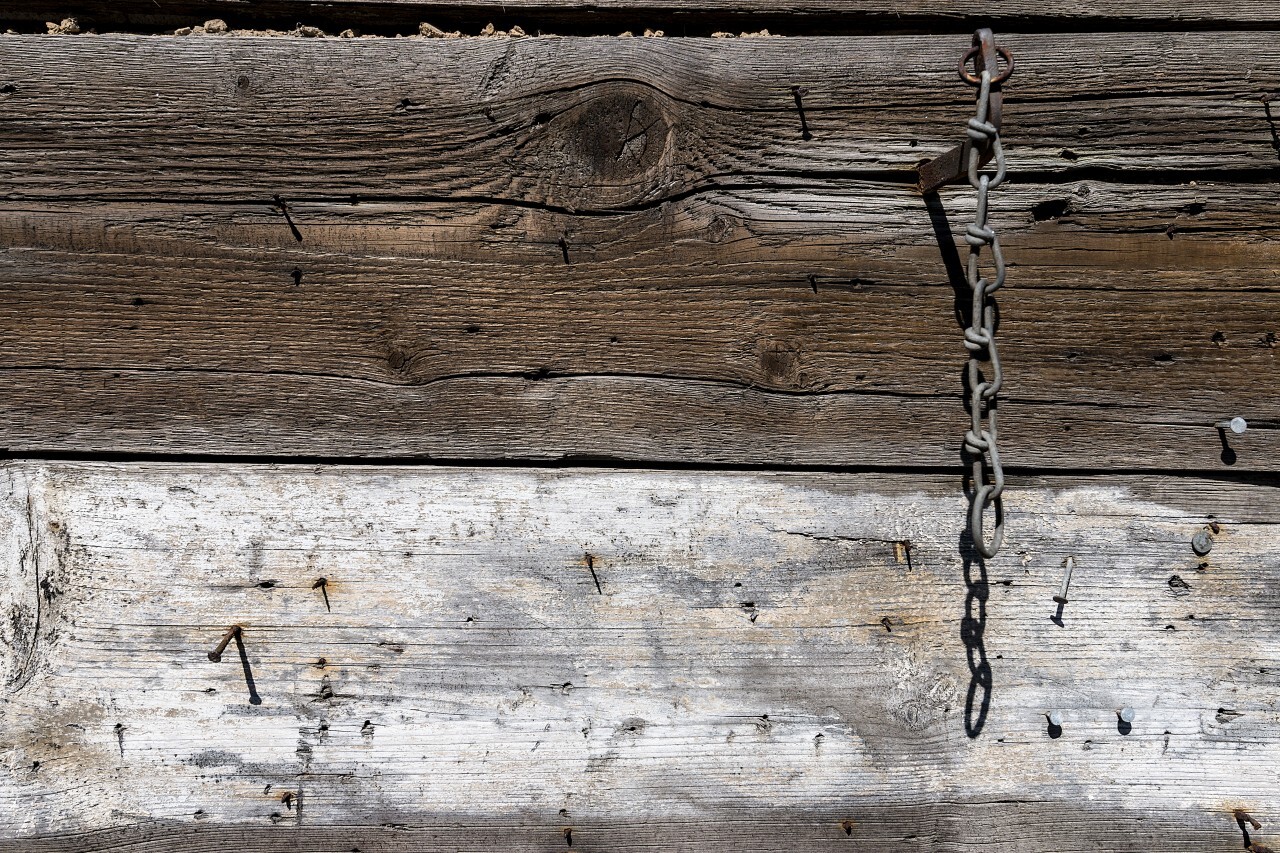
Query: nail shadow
<point>254,698</point>
<point>1228,455</point>
<point>1122,727</point>
<point>1271,123</point>
<point>1057,617</point>
<point>284,208</point>
<point>1055,732</point>
<point>798,92</point>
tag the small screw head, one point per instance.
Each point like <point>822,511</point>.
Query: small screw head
<point>1127,714</point>
<point>1202,543</point>
<point>1055,718</point>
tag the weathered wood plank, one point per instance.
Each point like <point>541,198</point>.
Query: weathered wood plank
<point>679,661</point>
<point>679,16</point>
<point>810,324</point>
<point>598,123</point>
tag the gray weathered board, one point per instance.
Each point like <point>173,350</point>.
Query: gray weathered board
<point>626,248</point>
<point>791,15</point>
<point>596,660</point>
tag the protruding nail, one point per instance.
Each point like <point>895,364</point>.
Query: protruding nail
<point>1202,543</point>
<point>1127,714</point>
<point>1061,597</point>
<point>1055,719</point>
<point>1237,425</point>
<point>232,633</point>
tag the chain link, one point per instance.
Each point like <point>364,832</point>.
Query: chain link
<point>979,338</point>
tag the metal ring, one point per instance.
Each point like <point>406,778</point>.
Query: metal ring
<point>973,52</point>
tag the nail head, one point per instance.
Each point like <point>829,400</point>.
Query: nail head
<point>1127,714</point>
<point>1202,543</point>
<point>1237,425</point>
<point>1055,718</point>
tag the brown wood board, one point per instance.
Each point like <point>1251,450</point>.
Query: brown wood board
<point>596,124</point>
<point>805,324</point>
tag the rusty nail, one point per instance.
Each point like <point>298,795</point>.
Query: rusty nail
<point>232,633</point>
<point>1202,543</point>
<point>1236,425</point>
<point>1061,597</point>
<point>1244,817</point>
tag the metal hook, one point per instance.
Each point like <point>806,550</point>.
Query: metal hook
<point>955,163</point>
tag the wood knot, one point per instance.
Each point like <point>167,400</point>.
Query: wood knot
<point>399,361</point>
<point>780,364</point>
<point>611,148</point>
<point>719,229</point>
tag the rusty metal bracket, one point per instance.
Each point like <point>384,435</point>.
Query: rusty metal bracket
<point>955,163</point>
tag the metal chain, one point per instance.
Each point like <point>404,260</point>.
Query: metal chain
<point>979,338</point>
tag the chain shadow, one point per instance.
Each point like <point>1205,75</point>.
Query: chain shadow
<point>254,698</point>
<point>974,622</point>
<point>973,628</point>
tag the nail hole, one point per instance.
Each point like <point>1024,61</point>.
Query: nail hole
<point>1052,209</point>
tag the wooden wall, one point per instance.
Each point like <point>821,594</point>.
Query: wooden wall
<point>573,423</point>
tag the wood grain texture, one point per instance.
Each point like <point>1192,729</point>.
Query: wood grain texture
<point>591,124</point>
<point>682,661</point>
<point>804,323</point>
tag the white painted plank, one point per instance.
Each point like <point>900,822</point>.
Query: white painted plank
<point>731,664</point>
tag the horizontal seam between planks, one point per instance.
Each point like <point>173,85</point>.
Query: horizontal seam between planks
<point>587,463</point>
